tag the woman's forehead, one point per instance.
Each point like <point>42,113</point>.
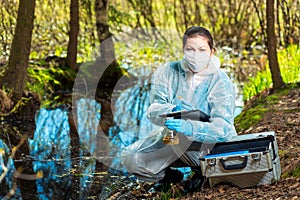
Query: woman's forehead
<point>197,41</point>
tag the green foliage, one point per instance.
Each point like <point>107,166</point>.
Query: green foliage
<point>44,79</point>
<point>147,53</point>
<point>255,85</point>
<point>8,15</point>
<point>118,17</point>
<point>234,24</point>
<point>288,59</point>
<point>51,26</point>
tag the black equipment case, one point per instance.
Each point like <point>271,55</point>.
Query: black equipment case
<point>244,161</point>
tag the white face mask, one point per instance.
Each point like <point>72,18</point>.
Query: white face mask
<point>196,61</point>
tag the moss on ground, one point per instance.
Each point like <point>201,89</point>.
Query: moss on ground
<point>256,108</point>
<point>296,172</point>
<point>249,118</point>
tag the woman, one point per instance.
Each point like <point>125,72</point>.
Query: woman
<point>194,83</point>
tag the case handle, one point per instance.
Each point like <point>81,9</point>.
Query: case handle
<point>234,166</point>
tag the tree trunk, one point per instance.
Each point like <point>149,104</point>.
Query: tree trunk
<point>106,62</point>
<point>107,46</point>
<point>278,23</point>
<point>15,75</point>
<point>73,35</point>
<point>271,43</point>
<point>106,65</point>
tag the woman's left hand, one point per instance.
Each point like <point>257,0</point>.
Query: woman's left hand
<point>180,126</point>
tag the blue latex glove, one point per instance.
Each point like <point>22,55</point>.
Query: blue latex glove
<point>180,126</point>
<point>177,108</point>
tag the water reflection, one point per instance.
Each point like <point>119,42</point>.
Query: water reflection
<point>88,116</point>
<point>7,170</point>
<point>129,110</point>
<point>50,149</point>
<point>63,176</point>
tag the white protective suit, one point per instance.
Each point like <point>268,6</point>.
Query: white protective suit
<point>211,91</point>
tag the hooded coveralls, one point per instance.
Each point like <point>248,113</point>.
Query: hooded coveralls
<point>210,91</point>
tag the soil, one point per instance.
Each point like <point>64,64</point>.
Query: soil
<point>283,118</point>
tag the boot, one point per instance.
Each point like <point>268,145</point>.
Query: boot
<point>197,181</point>
<point>172,176</point>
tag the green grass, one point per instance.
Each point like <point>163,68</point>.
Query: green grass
<point>289,61</point>
<point>172,193</point>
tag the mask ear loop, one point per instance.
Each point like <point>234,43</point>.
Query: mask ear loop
<point>208,64</point>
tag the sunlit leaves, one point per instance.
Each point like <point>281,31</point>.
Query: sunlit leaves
<point>8,16</point>
<point>44,77</point>
<point>288,59</point>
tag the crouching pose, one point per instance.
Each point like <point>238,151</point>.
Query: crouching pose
<point>194,83</point>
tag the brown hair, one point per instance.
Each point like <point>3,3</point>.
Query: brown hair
<point>201,31</point>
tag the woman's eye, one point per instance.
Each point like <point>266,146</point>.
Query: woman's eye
<point>189,49</point>
<point>202,50</point>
